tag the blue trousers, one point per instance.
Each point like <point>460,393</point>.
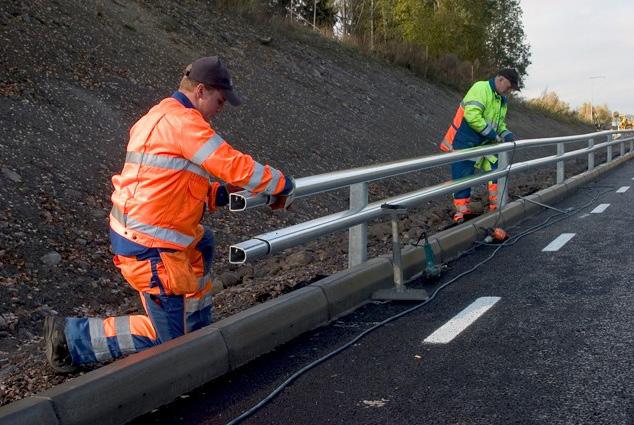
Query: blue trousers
<point>462,169</point>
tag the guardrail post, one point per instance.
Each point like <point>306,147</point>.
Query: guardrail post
<point>503,162</point>
<point>561,172</point>
<point>609,158</point>
<point>622,148</point>
<point>590,155</point>
<point>358,235</point>
<point>631,145</point>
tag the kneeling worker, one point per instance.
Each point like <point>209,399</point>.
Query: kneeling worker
<point>480,119</point>
<point>159,199</point>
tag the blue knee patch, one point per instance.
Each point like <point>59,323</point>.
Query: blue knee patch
<point>167,313</point>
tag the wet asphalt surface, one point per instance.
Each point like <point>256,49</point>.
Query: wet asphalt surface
<point>558,348</point>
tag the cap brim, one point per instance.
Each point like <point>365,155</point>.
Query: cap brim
<point>232,97</point>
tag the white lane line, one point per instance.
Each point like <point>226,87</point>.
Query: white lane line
<point>600,208</point>
<point>622,189</point>
<point>461,321</point>
<point>560,241</point>
<point>584,215</point>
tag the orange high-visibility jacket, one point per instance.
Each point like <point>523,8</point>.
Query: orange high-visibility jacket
<point>159,197</point>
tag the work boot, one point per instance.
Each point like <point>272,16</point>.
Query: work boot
<point>57,352</point>
<point>462,209</point>
<point>458,218</point>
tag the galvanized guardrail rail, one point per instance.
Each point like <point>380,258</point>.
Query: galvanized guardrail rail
<point>360,213</point>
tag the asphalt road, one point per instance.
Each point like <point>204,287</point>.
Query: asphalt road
<point>556,348</point>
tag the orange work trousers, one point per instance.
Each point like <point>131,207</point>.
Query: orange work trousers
<point>175,289</point>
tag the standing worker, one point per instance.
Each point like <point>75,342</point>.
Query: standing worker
<point>480,119</point>
<point>158,243</point>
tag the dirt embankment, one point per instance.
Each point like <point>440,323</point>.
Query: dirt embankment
<point>75,75</point>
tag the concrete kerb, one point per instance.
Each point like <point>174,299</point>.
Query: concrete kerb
<point>130,387</point>
<point>347,290</point>
<point>414,257</point>
<point>552,194</point>
<point>575,181</point>
<point>455,240</point>
<point>123,390</point>
<point>28,411</point>
<point>531,208</point>
<point>261,328</point>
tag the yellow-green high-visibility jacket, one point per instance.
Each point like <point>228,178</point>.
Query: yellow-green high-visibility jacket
<point>479,118</point>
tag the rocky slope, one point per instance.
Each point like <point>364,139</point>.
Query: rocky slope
<point>75,75</point>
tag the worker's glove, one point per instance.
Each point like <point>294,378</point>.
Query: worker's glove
<point>485,163</point>
<point>499,139</point>
<point>508,137</point>
<point>285,198</point>
<point>218,196</point>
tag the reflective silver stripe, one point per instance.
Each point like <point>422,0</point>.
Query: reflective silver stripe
<point>462,207</point>
<point>164,161</point>
<point>196,170</point>
<point>202,281</point>
<point>275,179</point>
<point>98,340</point>
<point>207,149</point>
<point>473,103</point>
<point>117,214</point>
<point>486,130</point>
<point>256,177</point>
<point>505,133</point>
<point>150,230</point>
<point>124,336</point>
<point>196,304</point>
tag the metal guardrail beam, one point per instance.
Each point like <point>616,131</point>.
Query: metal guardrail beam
<point>312,185</point>
<point>278,240</point>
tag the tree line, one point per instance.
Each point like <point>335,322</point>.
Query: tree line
<point>599,116</point>
<point>457,41</point>
<point>453,41</point>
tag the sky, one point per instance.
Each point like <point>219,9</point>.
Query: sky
<point>573,40</point>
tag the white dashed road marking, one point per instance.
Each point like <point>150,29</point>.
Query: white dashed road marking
<point>584,215</point>
<point>560,241</point>
<point>622,189</point>
<point>600,208</point>
<point>461,321</point>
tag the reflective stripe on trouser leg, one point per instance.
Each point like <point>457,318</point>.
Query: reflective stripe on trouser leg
<point>198,306</point>
<point>86,339</point>
<point>462,208</point>
<point>198,310</point>
<point>493,191</point>
<point>93,340</point>
<point>460,170</point>
<point>462,205</point>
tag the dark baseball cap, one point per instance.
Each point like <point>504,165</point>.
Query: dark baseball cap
<point>212,72</point>
<point>511,75</point>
